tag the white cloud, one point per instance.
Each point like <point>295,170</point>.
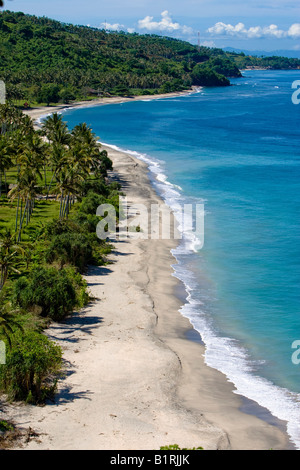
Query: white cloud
<point>130,30</point>
<point>254,31</point>
<point>166,24</point>
<point>112,27</point>
<point>294,31</point>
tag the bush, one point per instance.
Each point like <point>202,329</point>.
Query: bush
<point>59,226</point>
<point>49,289</point>
<point>70,248</point>
<point>97,186</point>
<point>90,203</point>
<point>31,368</point>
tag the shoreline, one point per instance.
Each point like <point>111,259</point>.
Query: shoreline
<point>36,113</point>
<point>194,404</point>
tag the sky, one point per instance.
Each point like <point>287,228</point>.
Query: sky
<point>265,25</point>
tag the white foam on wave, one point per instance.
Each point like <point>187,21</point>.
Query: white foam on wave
<point>222,353</point>
<point>229,357</point>
<point>170,193</point>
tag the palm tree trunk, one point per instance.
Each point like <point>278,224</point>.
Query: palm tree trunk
<point>49,187</point>
<point>18,203</point>
<point>22,221</point>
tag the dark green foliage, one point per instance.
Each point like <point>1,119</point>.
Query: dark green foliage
<point>31,368</point>
<point>97,186</point>
<point>203,76</point>
<point>47,61</point>
<point>48,93</point>
<point>47,289</point>
<point>224,66</point>
<point>59,226</point>
<point>70,248</point>
<point>91,202</point>
<point>42,273</point>
<point>176,447</point>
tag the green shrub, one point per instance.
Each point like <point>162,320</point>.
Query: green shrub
<point>80,286</point>
<point>70,248</point>
<point>31,369</point>
<point>47,288</point>
<point>59,226</point>
<point>91,202</point>
<point>176,447</point>
<point>96,186</point>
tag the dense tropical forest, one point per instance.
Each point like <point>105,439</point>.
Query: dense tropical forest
<point>244,61</point>
<point>51,182</point>
<point>42,60</point>
<point>45,61</point>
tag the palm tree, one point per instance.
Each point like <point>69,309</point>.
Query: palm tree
<point>26,191</point>
<point>8,322</point>
<point>35,154</point>
<point>67,187</point>
<point>5,159</point>
<point>8,241</point>
<point>8,252</point>
<point>58,158</point>
<point>55,129</point>
<point>7,261</point>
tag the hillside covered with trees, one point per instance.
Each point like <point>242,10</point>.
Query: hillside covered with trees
<point>43,61</point>
<point>244,61</point>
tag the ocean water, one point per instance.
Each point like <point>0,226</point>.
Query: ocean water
<point>237,151</point>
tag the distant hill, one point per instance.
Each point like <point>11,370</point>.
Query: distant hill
<point>46,61</point>
<point>280,53</point>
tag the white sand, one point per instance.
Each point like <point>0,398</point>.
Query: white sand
<point>132,378</point>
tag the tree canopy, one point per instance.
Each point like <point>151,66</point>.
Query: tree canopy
<point>44,60</point>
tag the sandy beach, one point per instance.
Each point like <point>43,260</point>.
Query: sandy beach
<point>135,376</point>
<point>35,113</point>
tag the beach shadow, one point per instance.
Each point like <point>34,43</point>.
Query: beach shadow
<point>98,271</point>
<point>118,253</point>
<point>65,395</point>
<point>81,322</point>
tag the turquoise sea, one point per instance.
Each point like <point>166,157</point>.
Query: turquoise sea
<point>237,150</point>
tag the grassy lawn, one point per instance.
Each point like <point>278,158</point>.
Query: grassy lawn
<point>44,212</point>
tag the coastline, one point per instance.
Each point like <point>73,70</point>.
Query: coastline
<point>136,379</point>
<point>36,113</point>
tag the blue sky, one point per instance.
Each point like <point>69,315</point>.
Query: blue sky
<point>266,25</point>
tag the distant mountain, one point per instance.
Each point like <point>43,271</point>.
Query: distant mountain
<point>279,53</point>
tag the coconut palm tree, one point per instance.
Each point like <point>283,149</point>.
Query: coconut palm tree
<point>8,322</point>
<point>5,159</point>
<point>55,129</point>
<point>7,262</point>
<point>68,187</point>
<point>58,158</point>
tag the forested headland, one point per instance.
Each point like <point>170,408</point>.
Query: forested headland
<point>45,61</point>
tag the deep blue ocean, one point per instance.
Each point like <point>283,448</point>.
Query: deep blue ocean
<point>237,150</point>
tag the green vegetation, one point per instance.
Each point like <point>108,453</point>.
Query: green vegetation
<point>176,447</point>
<point>52,181</point>
<point>243,61</point>
<point>43,61</point>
